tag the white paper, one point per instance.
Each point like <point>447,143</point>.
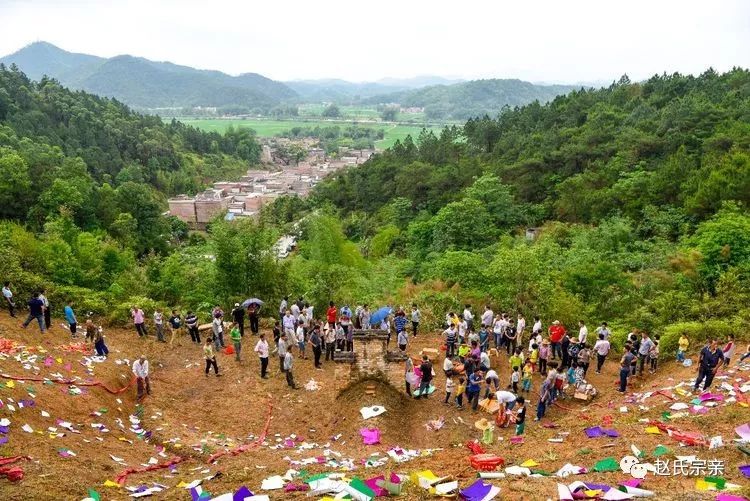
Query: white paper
<point>271,483</point>
<point>370,412</point>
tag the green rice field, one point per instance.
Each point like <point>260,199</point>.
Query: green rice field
<point>270,128</point>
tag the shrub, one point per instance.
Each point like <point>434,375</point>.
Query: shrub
<point>697,332</point>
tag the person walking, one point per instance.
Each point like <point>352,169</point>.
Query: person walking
<point>138,320</point>
<point>288,363</point>
<point>70,317</point>
<point>261,348</point>
<point>710,361</point>
<point>191,322</point>
<point>282,349</point>
<point>316,344</point>
<point>643,351</point>
<point>625,362</point>
<point>143,383</point>
<point>400,323</point>
<point>159,325</point>
<point>47,310</point>
<point>175,326</point>
<point>601,348</point>
<point>36,311</point>
<point>236,335</point>
<point>416,317</point>
<point>210,356</point>
<point>8,298</point>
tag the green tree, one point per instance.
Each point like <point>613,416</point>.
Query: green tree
<point>15,185</point>
<point>331,111</point>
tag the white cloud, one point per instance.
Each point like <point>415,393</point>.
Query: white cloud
<point>284,39</point>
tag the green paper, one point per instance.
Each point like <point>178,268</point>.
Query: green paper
<point>607,464</point>
<point>94,495</point>
<point>719,482</point>
<point>696,401</point>
<point>315,477</point>
<point>660,451</point>
<point>666,416</point>
<point>541,472</point>
<point>362,487</point>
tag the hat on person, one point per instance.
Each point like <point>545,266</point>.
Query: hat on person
<point>236,304</point>
<point>556,322</point>
<point>545,342</point>
<point>482,424</point>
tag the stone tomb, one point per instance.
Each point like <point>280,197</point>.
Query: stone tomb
<point>370,360</point>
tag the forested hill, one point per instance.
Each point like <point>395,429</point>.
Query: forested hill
<point>477,97</point>
<point>105,166</point>
<point>143,83</point>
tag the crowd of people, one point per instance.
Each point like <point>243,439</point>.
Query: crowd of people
<point>474,346</point>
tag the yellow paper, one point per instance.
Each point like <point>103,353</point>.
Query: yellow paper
<point>110,483</point>
<point>744,404</point>
<point>530,463</point>
<point>593,493</point>
<point>182,484</point>
<point>702,485</point>
<point>10,384</point>
<point>652,430</point>
<point>59,360</point>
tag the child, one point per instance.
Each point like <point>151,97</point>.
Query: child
<point>516,360</point>
<point>402,340</point>
<point>526,380</point>
<point>653,356</point>
<point>544,353</point>
<point>534,355</point>
<point>572,373</point>
<point>208,353</point>
<point>449,385</point>
<point>514,378</point>
<point>682,347</point>
<point>579,376</point>
<point>520,415</point>
<point>728,350</point>
<point>236,336</point>
<point>460,389</point>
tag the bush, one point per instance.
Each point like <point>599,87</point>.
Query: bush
<point>697,332</point>
<point>84,300</point>
<point>120,312</point>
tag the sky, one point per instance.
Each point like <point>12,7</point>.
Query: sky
<point>541,41</point>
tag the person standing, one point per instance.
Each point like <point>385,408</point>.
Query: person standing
<point>236,335</point>
<point>283,307</point>
<point>159,325</point>
<point>8,298</point>
<point>191,321</point>
<point>426,369</point>
<point>584,358</point>
<point>416,317</point>
<point>238,317</point>
<point>474,388</point>
<point>682,347</point>
<point>583,332</point>
<point>399,322</point>
<point>36,311</point>
<point>364,317</point>
<point>316,344</point>
<point>602,350</point>
<point>520,328</point>
<point>520,415</point>
<point>643,351</point>
<point>728,350</point>
<point>544,399</point>
<point>408,374</point>
<point>90,330</point>
<point>276,332</point>
<point>487,316</point>
<point>282,349</point>
<point>468,317</point>
<point>450,341</point>
<point>175,326</point>
<point>143,383</point>
<point>556,332</point>
<point>402,340</point>
<point>625,363</point>
<point>261,348</point>
<point>210,355</point>
<point>288,363</point>
<point>331,314</point>
<point>510,337</point>
<point>301,341</point>
<point>287,323</point>
<point>295,310</point>
<point>329,336</point>
<point>604,330</point>
<point>710,361</point>
<point>565,346</point>
<point>138,318</point>
<point>217,326</point>
<point>47,310</point>
<point>70,317</point>
<point>253,315</point>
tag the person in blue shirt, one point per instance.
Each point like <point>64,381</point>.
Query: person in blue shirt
<point>70,316</point>
<point>473,389</point>
<point>400,322</point>
<point>484,339</point>
<point>36,311</point>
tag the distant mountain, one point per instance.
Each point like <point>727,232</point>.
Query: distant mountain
<point>474,98</point>
<point>345,92</point>
<point>142,83</point>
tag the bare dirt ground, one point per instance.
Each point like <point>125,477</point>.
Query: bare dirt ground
<point>192,416</point>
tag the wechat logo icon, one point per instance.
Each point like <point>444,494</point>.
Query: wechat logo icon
<point>631,465</point>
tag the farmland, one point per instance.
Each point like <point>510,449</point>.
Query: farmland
<point>270,128</point>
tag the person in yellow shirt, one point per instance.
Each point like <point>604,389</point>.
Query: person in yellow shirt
<point>463,350</point>
<point>534,355</point>
<point>460,390</point>
<point>528,370</point>
<point>516,360</point>
<point>682,347</point>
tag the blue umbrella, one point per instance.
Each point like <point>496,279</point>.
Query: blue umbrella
<point>380,314</point>
<point>252,300</point>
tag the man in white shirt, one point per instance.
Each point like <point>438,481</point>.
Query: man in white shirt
<point>261,348</point>
<point>295,311</point>
<point>140,369</point>
<point>283,307</point>
<point>288,323</point>
<point>469,317</point>
<point>8,298</point>
<point>601,348</point>
<point>583,332</point>
<point>520,327</point>
<point>492,380</point>
<point>506,399</point>
<point>484,360</point>
<point>487,316</point>
<point>603,330</point>
<point>537,328</point>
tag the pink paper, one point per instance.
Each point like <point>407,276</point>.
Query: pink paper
<point>370,436</point>
<point>372,483</point>
<point>712,396</point>
<point>743,431</point>
<point>632,482</point>
<point>729,497</point>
